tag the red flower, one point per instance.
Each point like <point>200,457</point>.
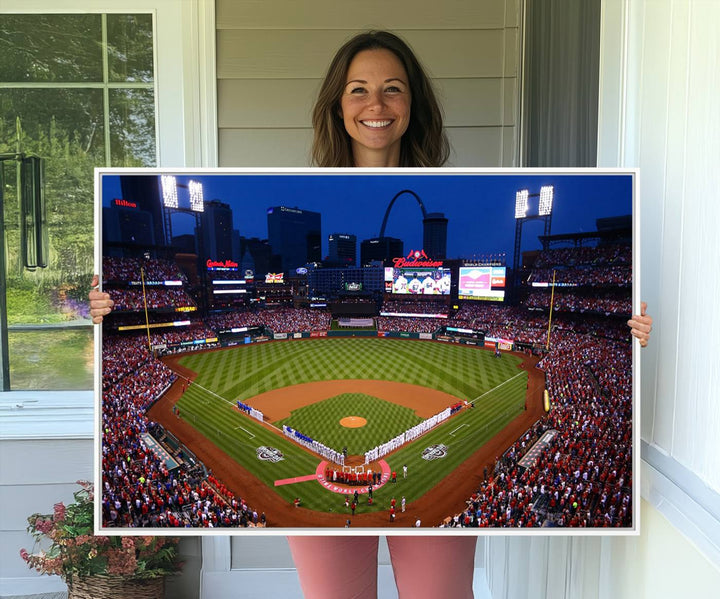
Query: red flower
<point>59,512</point>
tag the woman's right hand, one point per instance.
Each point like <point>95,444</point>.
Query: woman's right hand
<point>100,303</point>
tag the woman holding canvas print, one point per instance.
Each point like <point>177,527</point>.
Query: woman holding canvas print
<point>377,108</point>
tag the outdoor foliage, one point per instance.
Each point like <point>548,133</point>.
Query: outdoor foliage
<point>66,127</point>
<point>55,108</point>
<point>75,553</point>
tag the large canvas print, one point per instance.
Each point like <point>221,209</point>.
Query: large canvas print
<point>355,350</point>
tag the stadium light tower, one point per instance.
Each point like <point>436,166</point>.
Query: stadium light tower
<point>196,196</point>
<point>171,200</point>
<point>544,213</point>
<point>195,207</point>
<point>169,191</point>
<point>546,200</point>
<point>521,203</point>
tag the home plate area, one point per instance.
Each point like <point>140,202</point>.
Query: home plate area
<point>345,479</point>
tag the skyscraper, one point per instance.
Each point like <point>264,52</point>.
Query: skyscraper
<point>435,235</point>
<point>144,191</point>
<point>217,231</point>
<point>342,249</point>
<point>295,236</point>
<point>124,224</point>
<point>382,249</point>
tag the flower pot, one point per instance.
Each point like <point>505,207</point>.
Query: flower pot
<point>116,587</point>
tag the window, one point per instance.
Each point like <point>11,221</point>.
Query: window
<point>78,90</point>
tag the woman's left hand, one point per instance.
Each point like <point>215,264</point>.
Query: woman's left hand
<point>641,325</point>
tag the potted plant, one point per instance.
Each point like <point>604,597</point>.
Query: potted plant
<point>98,567</point>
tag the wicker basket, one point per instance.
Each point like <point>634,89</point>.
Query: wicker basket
<point>116,587</point>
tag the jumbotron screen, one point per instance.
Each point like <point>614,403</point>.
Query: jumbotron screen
<point>417,281</point>
<point>482,283</point>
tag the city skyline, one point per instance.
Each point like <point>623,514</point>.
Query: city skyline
<point>479,206</point>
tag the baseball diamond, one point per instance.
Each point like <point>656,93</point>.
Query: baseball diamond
<point>311,385</point>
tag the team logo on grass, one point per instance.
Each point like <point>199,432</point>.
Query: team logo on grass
<point>434,452</point>
<point>269,454</point>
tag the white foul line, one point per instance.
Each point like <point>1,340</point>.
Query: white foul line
<point>252,436</point>
<point>497,387</point>
<point>452,432</point>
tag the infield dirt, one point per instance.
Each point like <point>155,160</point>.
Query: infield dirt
<point>445,499</point>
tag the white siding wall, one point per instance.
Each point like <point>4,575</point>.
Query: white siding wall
<point>45,447</point>
<point>271,57</point>
<point>660,80</point>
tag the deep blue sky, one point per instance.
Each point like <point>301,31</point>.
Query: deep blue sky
<point>480,207</point>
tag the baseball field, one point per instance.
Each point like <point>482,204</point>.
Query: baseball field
<point>344,392</point>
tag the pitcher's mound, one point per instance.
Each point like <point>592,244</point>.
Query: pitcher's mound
<point>353,422</point>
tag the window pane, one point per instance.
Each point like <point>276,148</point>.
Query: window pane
<point>54,359</point>
<point>130,48</point>
<point>50,48</point>
<point>53,118</point>
<point>132,127</point>
<point>65,127</point>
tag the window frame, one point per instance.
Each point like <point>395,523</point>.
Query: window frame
<point>185,130</point>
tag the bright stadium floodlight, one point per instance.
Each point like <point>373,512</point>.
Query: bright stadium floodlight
<point>521,203</point>
<point>546,200</point>
<point>169,189</point>
<point>196,196</point>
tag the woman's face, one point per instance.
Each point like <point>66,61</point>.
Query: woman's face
<point>375,107</point>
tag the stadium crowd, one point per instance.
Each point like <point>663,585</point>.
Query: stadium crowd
<point>408,325</point>
<point>593,255</point>
<point>617,276</point>
<point>128,269</point>
<point>157,298</point>
<point>139,489</point>
<point>415,307</point>
<point>572,302</point>
<point>279,320</point>
<point>581,478</point>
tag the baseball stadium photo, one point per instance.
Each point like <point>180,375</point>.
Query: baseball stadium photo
<point>320,349</point>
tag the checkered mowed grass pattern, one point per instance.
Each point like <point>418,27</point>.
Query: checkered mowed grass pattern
<point>243,372</point>
<point>322,421</point>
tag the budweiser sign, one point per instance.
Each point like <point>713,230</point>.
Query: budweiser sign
<point>416,258</point>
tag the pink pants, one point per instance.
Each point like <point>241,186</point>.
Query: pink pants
<point>346,567</point>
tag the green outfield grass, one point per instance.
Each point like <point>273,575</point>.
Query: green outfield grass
<point>496,387</point>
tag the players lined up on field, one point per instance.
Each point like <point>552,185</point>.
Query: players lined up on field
<point>362,478</point>
<point>314,445</point>
<point>412,433</point>
<point>250,411</point>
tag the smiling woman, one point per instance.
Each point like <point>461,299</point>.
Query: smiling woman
<point>363,114</point>
<point>375,107</point>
